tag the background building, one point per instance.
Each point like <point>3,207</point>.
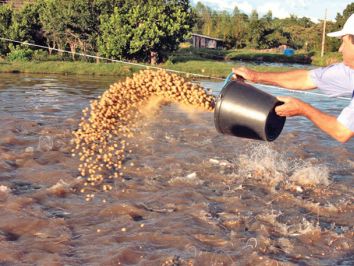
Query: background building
<point>203,41</point>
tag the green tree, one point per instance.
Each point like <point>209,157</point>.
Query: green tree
<point>74,24</point>
<point>53,23</point>
<point>82,22</point>
<point>78,25</point>
<point>256,28</point>
<point>334,43</point>
<point>26,24</point>
<point>98,9</point>
<point>142,29</point>
<point>116,34</point>
<point>342,18</point>
<point>204,19</point>
<point>269,36</point>
<point>301,32</point>
<point>5,23</point>
<point>105,7</point>
<point>198,11</point>
<point>223,28</point>
<point>239,28</point>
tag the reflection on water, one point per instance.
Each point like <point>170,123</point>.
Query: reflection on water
<point>189,196</point>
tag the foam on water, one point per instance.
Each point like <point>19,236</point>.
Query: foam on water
<point>308,174</point>
<point>264,162</point>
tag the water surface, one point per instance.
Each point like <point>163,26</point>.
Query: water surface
<point>189,196</point>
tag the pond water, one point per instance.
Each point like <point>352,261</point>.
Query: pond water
<point>189,196</point>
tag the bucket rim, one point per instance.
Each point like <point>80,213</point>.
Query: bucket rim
<point>273,137</point>
<point>218,105</point>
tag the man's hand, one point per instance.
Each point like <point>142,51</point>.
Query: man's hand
<point>244,73</point>
<point>327,123</point>
<point>291,107</point>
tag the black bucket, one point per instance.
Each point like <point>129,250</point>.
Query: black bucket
<point>247,112</point>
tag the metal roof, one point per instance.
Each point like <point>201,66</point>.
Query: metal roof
<point>205,36</point>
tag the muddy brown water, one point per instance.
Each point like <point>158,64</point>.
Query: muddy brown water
<point>189,196</point>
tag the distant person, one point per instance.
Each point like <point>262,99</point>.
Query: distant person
<point>334,80</point>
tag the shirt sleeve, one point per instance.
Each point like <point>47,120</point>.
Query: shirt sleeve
<point>346,117</point>
<point>334,80</point>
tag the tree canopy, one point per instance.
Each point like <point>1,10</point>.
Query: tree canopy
<point>240,30</point>
<point>137,29</point>
<point>114,28</point>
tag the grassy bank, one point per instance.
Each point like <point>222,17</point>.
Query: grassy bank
<point>67,68</point>
<point>205,67</point>
<point>190,53</point>
<point>273,57</point>
<point>209,62</point>
<point>252,55</point>
<point>249,55</point>
<point>218,69</point>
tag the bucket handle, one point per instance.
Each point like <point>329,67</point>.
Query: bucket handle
<point>229,77</point>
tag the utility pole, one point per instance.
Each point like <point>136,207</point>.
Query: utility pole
<point>324,33</point>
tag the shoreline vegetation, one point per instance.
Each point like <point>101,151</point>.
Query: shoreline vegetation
<point>202,67</point>
<point>208,62</point>
<point>208,68</point>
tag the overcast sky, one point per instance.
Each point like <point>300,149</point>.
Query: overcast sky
<point>313,9</point>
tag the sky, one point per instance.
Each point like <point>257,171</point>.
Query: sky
<point>313,9</point>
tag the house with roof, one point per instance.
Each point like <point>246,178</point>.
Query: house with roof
<point>203,41</point>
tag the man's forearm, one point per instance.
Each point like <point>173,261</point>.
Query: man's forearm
<point>327,123</point>
<point>296,79</point>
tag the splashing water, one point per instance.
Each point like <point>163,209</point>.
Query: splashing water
<point>273,167</point>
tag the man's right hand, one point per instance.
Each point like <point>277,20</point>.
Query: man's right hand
<point>244,73</point>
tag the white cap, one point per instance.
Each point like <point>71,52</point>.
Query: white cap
<point>347,29</point>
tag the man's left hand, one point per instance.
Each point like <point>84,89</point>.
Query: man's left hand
<point>291,107</point>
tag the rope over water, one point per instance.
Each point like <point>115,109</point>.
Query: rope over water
<point>161,68</point>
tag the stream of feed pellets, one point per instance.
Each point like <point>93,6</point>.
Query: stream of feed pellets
<point>102,139</point>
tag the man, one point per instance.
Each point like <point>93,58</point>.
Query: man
<point>334,80</point>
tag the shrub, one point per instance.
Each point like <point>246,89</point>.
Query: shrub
<point>19,53</point>
<point>169,62</point>
<point>40,55</point>
<point>328,58</point>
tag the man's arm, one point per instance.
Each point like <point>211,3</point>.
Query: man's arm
<point>327,123</point>
<point>294,79</point>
